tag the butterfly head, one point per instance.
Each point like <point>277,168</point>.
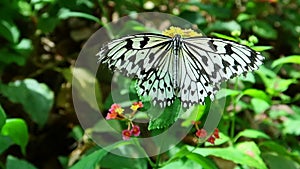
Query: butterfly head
<point>177,31</point>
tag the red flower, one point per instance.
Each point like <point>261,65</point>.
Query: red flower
<point>126,134</point>
<point>201,133</point>
<point>135,130</point>
<point>116,108</point>
<point>211,140</point>
<point>216,133</point>
<point>136,105</point>
<point>112,115</point>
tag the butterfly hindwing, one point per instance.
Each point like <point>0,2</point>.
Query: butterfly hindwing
<point>158,85</point>
<point>193,80</point>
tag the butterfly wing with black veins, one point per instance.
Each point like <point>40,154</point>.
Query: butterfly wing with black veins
<point>147,57</point>
<point>207,62</point>
<point>191,71</point>
<point>222,59</point>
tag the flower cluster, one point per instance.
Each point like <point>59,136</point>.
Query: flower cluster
<point>214,136</point>
<point>136,106</point>
<point>127,133</point>
<point>116,112</point>
<point>201,133</point>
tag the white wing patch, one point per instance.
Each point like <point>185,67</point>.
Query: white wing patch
<point>201,66</point>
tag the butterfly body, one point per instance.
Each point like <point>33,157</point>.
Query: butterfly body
<point>177,42</point>
<point>167,68</point>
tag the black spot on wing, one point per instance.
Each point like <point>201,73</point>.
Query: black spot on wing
<point>236,63</point>
<point>129,44</point>
<point>228,49</point>
<point>212,45</point>
<point>216,69</point>
<point>225,63</point>
<point>252,56</point>
<point>151,57</point>
<point>204,60</point>
<point>144,42</point>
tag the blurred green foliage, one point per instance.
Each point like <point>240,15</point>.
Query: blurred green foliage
<point>40,41</point>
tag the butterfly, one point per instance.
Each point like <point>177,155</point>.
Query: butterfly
<point>170,67</point>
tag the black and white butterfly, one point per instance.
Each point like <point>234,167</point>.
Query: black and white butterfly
<point>167,68</point>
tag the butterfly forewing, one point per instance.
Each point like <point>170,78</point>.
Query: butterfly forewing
<point>132,55</point>
<point>223,59</point>
<point>147,57</point>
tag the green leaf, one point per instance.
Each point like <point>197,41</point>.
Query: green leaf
<point>248,78</point>
<point>180,154</point>
<point>63,161</point>
<point>5,142</point>
<point>36,98</point>
<point>259,105</point>
<point>274,84</point>
<point>279,162</point>
<point>7,57</point>
<point>266,72</point>
<point>245,153</point>
<point>203,161</point>
<point>17,53</point>
<point>218,11</point>
<point>249,133</point>
<point>288,59</point>
<point>182,164</point>
<point>226,92</point>
<point>251,150</point>
<point>261,48</point>
<point>273,146</point>
<point>2,117</point>
<point>77,133</point>
<point>25,8</point>
<point>90,161</point>
<point>9,31</point>
<point>113,161</point>
<point>291,124</point>
<point>218,35</point>
<point>16,129</point>
<point>24,47</point>
<point>15,163</point>
<point>264,30</point>
<point>108,126</point>
<point>224,26</point>
<point>192,115</point>
<point>193,17</point>
<point>159,120</point>
<point>281,85</point>
<point>47,24</point>
<point>257,94</point>
<point>65,13</point>
<point>242,17</point>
